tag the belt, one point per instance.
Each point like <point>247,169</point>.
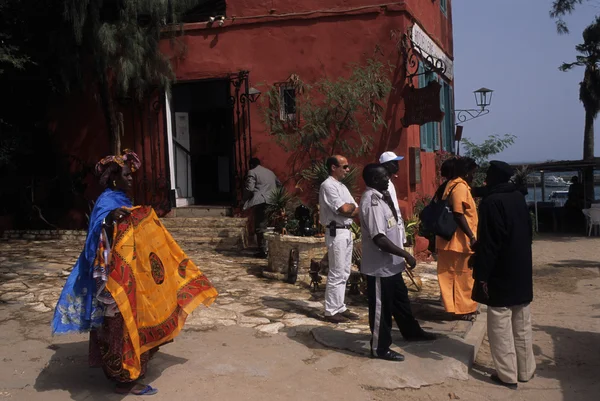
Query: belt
<point>340,226</point>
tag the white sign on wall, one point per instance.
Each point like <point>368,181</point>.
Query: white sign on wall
<point>421,39</point>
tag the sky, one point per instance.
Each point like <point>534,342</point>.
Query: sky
<point>512,47</point>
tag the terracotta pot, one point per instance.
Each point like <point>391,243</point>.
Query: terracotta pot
<point>421,244</point>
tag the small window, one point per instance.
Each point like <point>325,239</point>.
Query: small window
<point>205,10</point>
<point>444,6</point>
<point>287,103</point>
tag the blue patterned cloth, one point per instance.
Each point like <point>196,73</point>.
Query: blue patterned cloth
<point>77,309</point>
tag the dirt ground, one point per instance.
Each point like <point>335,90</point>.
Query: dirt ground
<point>566,324</point>
<point>236,363</point>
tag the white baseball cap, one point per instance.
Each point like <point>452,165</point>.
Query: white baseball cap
<point>388,157</point>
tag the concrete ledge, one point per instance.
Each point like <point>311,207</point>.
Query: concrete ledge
<point>427,363</point>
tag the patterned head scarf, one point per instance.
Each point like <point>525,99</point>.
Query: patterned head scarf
<point>113,164</point>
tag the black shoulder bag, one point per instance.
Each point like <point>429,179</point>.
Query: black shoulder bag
<point>437,218</point>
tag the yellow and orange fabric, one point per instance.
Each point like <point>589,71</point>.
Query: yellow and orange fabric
<point>454,275</point>
<point>155,285</point>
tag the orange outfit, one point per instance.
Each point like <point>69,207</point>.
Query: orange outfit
<point>454,276</point>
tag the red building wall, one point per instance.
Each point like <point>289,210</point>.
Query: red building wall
<point>273,39</point>
<point>316,39</point>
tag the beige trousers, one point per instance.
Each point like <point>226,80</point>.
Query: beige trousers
<point>511,344</point>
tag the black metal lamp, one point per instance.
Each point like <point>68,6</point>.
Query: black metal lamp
<point>253,94</point>
<point>483,97</point>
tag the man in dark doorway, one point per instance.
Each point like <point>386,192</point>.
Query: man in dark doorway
<point>260,183</point>
<point>502,269</point>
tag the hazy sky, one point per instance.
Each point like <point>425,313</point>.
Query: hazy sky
<point>511,46</point>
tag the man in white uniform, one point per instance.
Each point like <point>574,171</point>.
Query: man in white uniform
<point>337,208</point>
<point>389,160</point>
<point>383,261</point>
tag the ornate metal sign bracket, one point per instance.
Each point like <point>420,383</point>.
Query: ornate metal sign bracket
<point>415,56</point>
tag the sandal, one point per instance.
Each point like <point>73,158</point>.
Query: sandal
<point>468,317</point>
<point>137,389</point>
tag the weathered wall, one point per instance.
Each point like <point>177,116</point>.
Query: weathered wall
<point>273,39</point>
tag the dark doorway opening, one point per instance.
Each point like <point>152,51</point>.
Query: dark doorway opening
<point>207,107</point>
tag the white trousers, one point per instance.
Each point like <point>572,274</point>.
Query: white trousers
<point>339,250</point>
<point>511,343</point>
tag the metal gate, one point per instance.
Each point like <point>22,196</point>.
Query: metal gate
<point>240,101</point>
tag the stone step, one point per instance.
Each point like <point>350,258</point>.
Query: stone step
<point>201,211</point>
<point>204,222</point>
<point>191,243</point>
<point>221,232</point>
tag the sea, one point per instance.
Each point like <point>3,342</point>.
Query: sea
<point>536,193</point>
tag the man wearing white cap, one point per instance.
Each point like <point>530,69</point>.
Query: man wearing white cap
<point>409,327</point>
<point>389,160</point>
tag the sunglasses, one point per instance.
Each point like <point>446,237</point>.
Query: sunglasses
<point>345,166</point>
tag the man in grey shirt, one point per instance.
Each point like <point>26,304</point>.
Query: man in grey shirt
<point>260,183</point>
<point>383,261</point>
<point>337,208</point>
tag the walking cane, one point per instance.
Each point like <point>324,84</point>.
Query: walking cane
<point>415,280</point>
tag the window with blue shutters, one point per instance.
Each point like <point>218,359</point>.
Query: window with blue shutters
<point>444,6</point>
<point>430,138</point>
<point>447,125</point>
<point>438,135</point>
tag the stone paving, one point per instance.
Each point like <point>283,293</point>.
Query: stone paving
<point>32,274</point>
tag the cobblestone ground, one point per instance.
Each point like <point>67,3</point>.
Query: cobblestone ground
<point>32,274</point>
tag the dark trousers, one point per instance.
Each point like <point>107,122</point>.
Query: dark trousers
<point>388,297</point>
<point>260,225</point>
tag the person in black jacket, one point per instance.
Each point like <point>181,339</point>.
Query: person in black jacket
<point>502,269</point>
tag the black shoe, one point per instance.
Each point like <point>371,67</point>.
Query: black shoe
<point>350,315</point>
<point>422,336</point>
<point>338,318</point>
<point>525,381</point>
<point>389,355</point>
<point>497,380</point>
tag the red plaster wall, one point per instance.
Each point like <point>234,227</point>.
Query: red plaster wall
<point>313,45</point>
<point>316,46</point>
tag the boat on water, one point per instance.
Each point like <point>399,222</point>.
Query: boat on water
<point>554,181</point>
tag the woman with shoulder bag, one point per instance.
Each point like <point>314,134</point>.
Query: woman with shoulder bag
<point>454,275</point>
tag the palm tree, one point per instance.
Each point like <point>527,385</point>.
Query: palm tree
<point>589,87</point>
<point>589,91</point>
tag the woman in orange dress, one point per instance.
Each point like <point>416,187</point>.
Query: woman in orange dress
<point>454,275</point>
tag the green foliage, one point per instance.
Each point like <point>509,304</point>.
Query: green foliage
<point>118,42</point>
<point>482,152</point>
<point>589,87</point>
<point>412,229</point>
<point>317,173</point>
<point>561,8</point>
<point>420,202</point>
<point>330,114</point>
<point>280,200</point>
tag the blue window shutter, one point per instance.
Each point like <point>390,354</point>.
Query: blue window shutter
<point>423,128</point>
<point>443,103</point>
<point>451,119</point>
<point>444,6</point>
<point>434,133</point>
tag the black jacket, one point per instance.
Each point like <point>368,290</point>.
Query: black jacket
<point>503,256</point>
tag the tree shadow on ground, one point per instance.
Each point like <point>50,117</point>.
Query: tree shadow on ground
<point>68,370</point>
<point>575,362</point>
